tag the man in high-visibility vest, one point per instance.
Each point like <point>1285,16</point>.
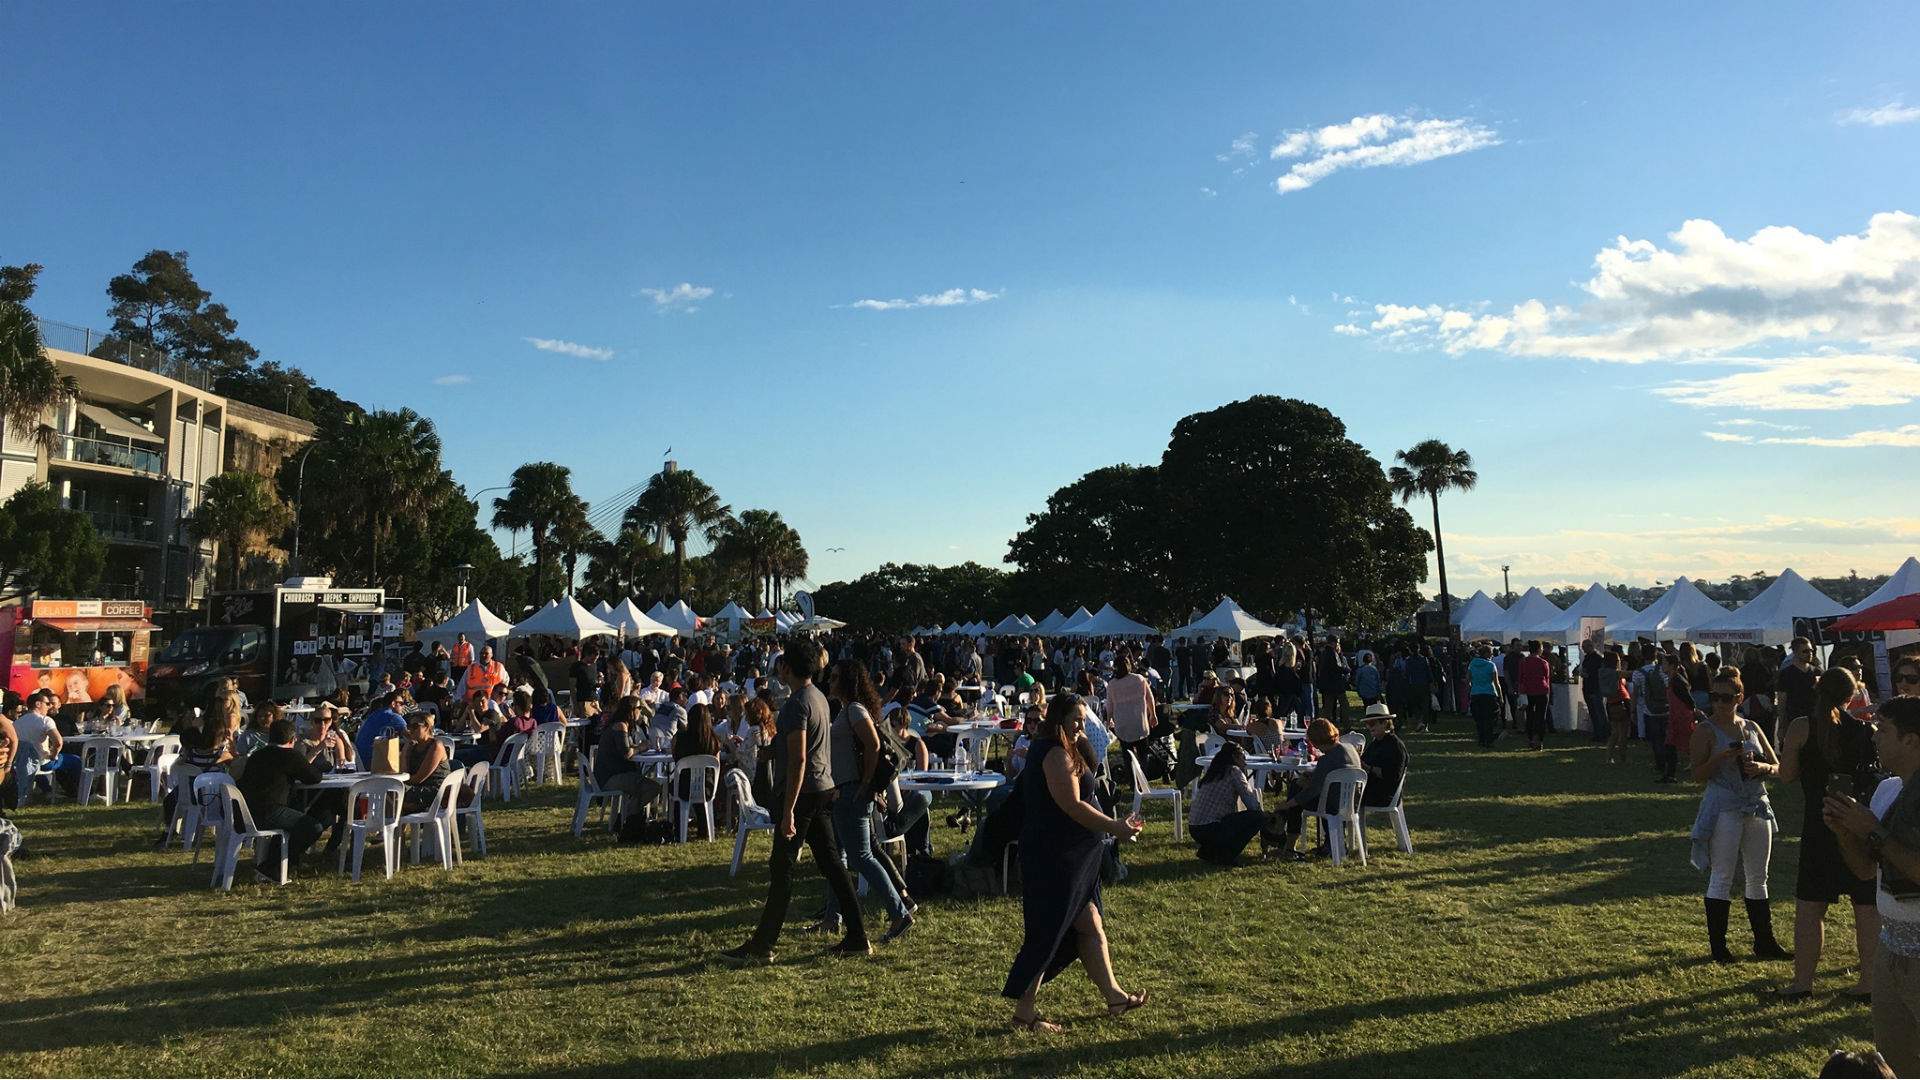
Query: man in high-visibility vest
<point>461,660</point>
<point>484,675</point>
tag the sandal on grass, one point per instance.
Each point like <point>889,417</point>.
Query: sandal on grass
<point>1127,1004</point>
<point>1037,1025</point>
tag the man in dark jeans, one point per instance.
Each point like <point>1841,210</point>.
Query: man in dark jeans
<point>803,788</point>
<point>267,783</point>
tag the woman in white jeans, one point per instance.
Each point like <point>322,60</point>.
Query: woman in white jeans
<point>1735,827</point>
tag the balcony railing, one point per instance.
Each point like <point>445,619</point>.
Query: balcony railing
<point>115,526</point>
<point>104,346</point>
<point>118,455</point>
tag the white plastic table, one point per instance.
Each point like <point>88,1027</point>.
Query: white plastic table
<point>934,780</point>
<point>1259,765</point>
<point>337,781</point>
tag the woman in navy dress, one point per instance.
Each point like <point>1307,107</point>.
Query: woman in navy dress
<point>1062,838</point>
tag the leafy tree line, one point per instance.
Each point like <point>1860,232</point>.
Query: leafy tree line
<point>1265,500</point>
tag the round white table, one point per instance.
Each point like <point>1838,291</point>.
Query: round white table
<point>334,781</point>
<point>935,780</point>
<point>1260,765</point>
<point>145,738</point>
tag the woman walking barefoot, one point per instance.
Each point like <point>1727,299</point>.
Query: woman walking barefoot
<point>1060,849</point>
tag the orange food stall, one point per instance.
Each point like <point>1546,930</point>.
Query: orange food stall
<point>77,648</point>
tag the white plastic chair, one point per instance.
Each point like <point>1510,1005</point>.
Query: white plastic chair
<point>591,793</point>
<point>159,763</point>
<point>102,762</point>
<point>203,812</point>
<point>1355,739</point>
<point>701,775</point>
<point>186,808</point>
<point>381,820</point>
<point>548,739</point>
<point>473,792</point>
<point>435,822</point>
<point>1333,825</point>
<point>753,816</point>
<point>1142,791</point>
<point>1395,811</point>
<point>235,830</point>
<point>508,767</point>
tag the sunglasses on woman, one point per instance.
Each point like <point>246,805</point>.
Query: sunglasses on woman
<point>1909,678</point>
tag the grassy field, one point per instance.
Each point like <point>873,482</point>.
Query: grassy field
<point>1548,924</point>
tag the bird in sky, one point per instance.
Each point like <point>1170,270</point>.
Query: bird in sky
<point>837,549</point>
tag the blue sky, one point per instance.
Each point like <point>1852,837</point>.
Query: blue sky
<point>403,201</point>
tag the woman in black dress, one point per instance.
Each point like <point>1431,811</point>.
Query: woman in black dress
<point>1830,749</point>
<point>1061,843</point>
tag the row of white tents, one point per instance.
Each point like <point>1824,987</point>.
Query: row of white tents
<point>565,618</point>
<point>1683,612</point>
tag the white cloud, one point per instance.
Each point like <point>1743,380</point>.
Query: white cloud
<point>570,348</point>
<point>1350,330</point>
<point>1367,142</point>
<point>1824,382</point>
<point>1710,293</point>
<point>1747,421</point>
<point>1893,112</point>
<point>685,296</point>
<point>949,298</point>
<point>453,380</point>
<point>1208,192</point>
<point>1907,435</point>
<point>1242,148</point>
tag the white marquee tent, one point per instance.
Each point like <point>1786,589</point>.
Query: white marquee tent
<point>1671,618</point>
<point>1108,622</point>
<point>1478,614</point>
<point>1904,582</point>
<point>1074,621</point>
<point>601,609</point>
<point>672,616</point>
<point>1565,629</point>
<point>1052,622</point>
<point>1230,621</point>
<point>1767,619</point>
<point>1007,627</point>
<point>475,620</point>
<point>567,620</point>
<point>1532,609</point>
<point>629,619</point>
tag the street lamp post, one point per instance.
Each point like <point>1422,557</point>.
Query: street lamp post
<point>1506,585</point>
<point>460,593</point>
<point>299,500</point>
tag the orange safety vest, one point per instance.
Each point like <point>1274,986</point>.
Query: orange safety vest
<point>463,654</point>
<point>485,677</point>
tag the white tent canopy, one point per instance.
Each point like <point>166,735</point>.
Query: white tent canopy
<point>1767,619</point>
<point>1671,618</point>
<point>1074,621</point>
<point>672,616</point>
<point>1007,627</point>
<point>1052,622</point>
<point>1532,609</point>
<point>764,614</point>
<point>630,620</point>
<point>1108,622</point>
<point>479,624</point>
<point>1478,615</point>
<point>785,619</point>
<point>567,620</point>
<point>601,609</point>
<point>1027,621</point>
<point>1230,621</point>
<point>952,628</point>
<point>1904,582</point>
<point>1565,630</point>
<point>731,612</point>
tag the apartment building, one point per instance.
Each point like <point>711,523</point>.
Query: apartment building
<point>132,453</point>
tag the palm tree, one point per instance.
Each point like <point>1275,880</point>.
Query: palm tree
<point>540,494</point>
<point>237,510</point>
<point>627,565</point>
<point>574,535</point>
<point>30,384</point>
<point>393,459</point>
<point>754,541</point>
<point>1428,468</point>
<point>682,504</point>
<point>789,562</point>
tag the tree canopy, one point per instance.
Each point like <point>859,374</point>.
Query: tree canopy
<point>158,304</point>
<point>45,549</point>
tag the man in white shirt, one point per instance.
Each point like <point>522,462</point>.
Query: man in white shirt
<point>654,692</point>
<point>42,749</point>
<point>1130,705</point>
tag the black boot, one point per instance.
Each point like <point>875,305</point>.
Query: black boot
<point>1717,912</point>
<point>1760,917</point>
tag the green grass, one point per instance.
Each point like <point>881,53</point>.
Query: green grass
<point>1548,924</point>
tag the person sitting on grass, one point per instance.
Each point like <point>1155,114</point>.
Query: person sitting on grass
<point>267,784</point>
<point>1324,738</point>
<point>1221,830</point>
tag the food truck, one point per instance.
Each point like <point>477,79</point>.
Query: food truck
<point>298,640</point>
<point>77,648</point>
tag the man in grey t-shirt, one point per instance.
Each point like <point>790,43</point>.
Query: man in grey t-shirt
<point>802,804</point>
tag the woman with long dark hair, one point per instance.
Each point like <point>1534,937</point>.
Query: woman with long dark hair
<point>1061,843</point>
<point>1221,829</point>
<point>1831,750</point>
<point>853,756</point>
